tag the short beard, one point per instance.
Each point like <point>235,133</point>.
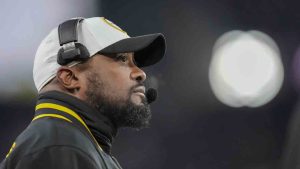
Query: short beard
<point>122,113</point>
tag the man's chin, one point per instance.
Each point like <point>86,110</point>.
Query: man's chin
<point>136,116</point>
<point>138,100</point>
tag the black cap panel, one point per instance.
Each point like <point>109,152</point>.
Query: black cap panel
<point>148,49</point>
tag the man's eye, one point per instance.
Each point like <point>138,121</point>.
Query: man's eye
<point>122,58</point>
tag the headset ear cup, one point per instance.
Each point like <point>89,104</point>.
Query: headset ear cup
<point>84,53</point>
<point>60,58</point>
<point>79,53</point>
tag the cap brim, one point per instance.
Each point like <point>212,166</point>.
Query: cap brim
<point>148,49</point>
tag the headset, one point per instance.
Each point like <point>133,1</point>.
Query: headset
<point>71,49</point>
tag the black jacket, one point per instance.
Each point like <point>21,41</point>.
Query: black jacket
<point>65,134</point>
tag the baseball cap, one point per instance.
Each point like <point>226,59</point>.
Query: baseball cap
<point>98,35</point>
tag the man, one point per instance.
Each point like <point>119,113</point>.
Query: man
<point>90,83</point>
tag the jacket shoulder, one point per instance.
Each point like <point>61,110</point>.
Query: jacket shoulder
<point>48,141</point>
<point>47,132</point>
<point>58,157</point>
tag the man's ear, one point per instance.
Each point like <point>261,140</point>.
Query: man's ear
<point>68,79</point>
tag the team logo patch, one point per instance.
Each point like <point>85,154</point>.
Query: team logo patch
<point>110,23</point>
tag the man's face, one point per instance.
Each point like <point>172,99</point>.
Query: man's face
<point>114,86</point>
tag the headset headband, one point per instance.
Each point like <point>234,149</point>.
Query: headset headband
<point>67,31</point>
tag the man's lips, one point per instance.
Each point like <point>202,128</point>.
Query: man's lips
<point>140,91</point>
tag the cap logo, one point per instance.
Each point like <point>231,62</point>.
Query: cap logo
<point>113,25</point>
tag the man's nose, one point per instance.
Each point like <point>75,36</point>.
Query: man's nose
<point>138,74</point>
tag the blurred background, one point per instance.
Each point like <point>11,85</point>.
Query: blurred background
<point>228,85</point>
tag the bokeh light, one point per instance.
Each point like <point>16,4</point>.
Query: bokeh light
<point>246,69</point>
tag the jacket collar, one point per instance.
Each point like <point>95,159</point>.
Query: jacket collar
<point>100,126</point>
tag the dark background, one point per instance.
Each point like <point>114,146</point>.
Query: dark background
<point>190,128</point>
